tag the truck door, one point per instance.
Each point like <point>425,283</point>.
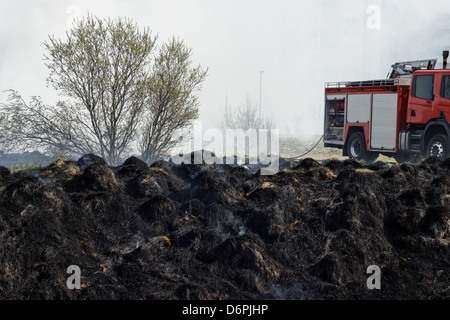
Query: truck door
<point>422,96</point>
<point>444,99</point>
<point>383,126</point>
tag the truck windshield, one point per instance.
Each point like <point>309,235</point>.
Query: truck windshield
<point>445,89</point>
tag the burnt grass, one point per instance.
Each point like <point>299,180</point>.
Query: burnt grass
<point>225,232</point>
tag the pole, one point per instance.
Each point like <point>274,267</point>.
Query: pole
<point>445,56</point>
<point>260,86</point>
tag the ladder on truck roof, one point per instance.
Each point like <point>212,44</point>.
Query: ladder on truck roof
<point>369,83</point>
<point>407,68</point>
<point>400,74</point>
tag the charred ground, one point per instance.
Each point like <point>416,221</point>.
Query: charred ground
<point>225,232</point>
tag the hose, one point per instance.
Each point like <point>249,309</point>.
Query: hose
<point>329,125</point>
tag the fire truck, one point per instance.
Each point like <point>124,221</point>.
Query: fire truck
<point>405,116</point>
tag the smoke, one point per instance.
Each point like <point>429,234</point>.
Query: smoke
<point>299,45</point>
<point>294,291</point>
<point>308,44</point>
<point>227,225</point>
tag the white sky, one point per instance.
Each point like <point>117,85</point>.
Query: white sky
<point>300,45</point>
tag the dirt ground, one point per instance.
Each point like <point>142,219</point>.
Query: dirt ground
<point>225,232</point>
<point>292,147</point>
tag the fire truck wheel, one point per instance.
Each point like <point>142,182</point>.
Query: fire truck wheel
<point>438,147</point>
<point>356,148</point>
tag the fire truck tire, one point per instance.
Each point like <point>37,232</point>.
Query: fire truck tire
<point>438,147</point>
<point>356,148</point>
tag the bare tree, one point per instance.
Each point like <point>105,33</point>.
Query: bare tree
<point>171,104</point>
<point>60,130</point>
<point>245,117</point>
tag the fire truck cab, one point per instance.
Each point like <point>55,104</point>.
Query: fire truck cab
<point>405,116</point>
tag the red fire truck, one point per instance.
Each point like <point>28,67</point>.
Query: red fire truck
<point>405,116</point>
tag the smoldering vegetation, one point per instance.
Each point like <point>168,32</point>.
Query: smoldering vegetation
<point>225,232</point>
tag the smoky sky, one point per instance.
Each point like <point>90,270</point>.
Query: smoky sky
<point>299,45</point>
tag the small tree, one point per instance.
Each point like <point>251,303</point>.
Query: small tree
<point>245,117</point>
<point>171,104</point>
